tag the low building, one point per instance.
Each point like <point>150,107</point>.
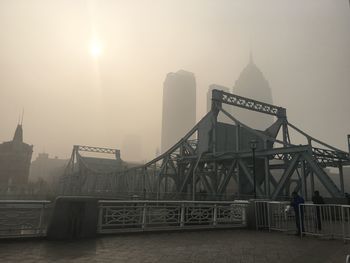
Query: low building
<point>46,168</point>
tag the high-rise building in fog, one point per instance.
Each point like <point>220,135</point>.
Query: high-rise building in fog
<point>132,148</point>
<point>252,84</point>
<point>179,107</point>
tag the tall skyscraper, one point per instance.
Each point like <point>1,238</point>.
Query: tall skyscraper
<point>252,84</point>
<point>179,107</point>
<point>132,148</point>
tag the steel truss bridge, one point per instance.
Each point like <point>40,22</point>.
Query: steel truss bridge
<point>214,160</point>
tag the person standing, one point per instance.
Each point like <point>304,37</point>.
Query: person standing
<point>317,199</point>
<point>299,218</point>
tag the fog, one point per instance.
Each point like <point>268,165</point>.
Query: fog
<point>113,93</point>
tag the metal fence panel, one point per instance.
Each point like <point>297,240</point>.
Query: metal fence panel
<point>19,218</point>
<point>322,220</point>
<point>346,222</point>
<point>261,210</point>
<point>129,216</point>
<point>274,215</point>
<point>281,216</point>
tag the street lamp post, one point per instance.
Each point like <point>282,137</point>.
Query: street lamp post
<point>253,145</point>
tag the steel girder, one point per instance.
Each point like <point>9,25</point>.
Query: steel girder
<point>246,103</point>
<point>81,178</point>
<point>213,171</point>
<point>186,170</point>
<point>84,148</point>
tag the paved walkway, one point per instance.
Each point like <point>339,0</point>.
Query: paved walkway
<point>195,246</point>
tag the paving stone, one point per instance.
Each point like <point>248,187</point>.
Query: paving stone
<point>180,247</point>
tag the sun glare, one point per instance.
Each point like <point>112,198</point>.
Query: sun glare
<point>95,49</point>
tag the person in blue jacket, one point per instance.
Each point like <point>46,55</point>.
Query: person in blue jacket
<point>296,201</point>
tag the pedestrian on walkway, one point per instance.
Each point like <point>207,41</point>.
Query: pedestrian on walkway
<point>299,218</point>
<point>317,199</point>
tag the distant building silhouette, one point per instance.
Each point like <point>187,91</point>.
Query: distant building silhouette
<point>252,84</point>
<point>132,148</point>
<point>157,152</point>
<point>15,157</point>
<point>179,107</point>
<point>46,168</point>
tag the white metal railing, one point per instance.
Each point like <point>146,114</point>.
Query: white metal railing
<point>281,216</point>
<point>129,216</point>
<point>346,222</point>
<point>261,210</point>
<point>274,215</point>
<point>326,220</point>
<point>23,218</point>
<point>322,220</point>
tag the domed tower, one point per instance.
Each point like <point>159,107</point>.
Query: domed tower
<point>252,84</point>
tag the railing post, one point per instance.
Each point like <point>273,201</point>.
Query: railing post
<point>215,215</point>
<point>268,215</point>
<point>301,224</point>
<point>347,221</point>
<point>100,218</point>
<point>182,215</point>
<point>144,210</point>
<point>41,218</point>
<point>343,222</point>
<point>331,221</point>
<point>280,223</point>
<point>244,215</point>
<point>256,215</point>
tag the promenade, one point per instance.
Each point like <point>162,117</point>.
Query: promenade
<point>236,245</point>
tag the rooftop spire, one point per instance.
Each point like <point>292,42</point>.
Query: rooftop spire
<point>251,61</point>
<point>22,116</point>
<point>18,137</point>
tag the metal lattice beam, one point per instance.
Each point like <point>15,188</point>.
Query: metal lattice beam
<point>191,165</point>
<point>247,103</point>
<point>84,148</point>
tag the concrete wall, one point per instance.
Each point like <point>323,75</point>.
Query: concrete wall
<point>73,217</point>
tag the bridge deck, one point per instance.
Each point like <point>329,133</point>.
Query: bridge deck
<point>197,246</point>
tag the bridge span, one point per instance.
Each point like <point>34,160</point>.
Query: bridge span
<point>217,161</point>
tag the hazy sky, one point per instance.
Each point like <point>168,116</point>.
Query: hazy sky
<point>71,96</point>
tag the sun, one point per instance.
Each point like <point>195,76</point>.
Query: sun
<point>95,49</point>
